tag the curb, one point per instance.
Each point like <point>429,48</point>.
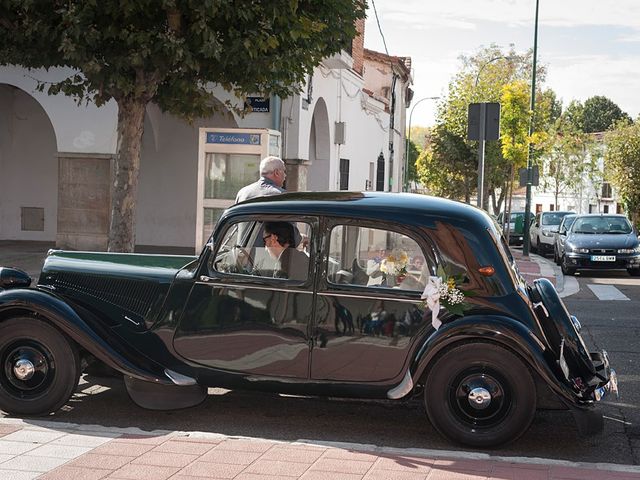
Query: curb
<point>566,286</point>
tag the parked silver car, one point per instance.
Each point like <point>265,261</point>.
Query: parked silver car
<point>560,236</point>
<point>543,229</point>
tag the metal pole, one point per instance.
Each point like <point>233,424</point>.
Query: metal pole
<point>407,156</point>
<point>483,131</point>
<point>527,207</point>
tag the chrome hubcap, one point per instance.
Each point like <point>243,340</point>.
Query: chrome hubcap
<point>23,369</point>
<point>479,398</point>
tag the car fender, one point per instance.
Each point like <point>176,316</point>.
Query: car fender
<point>79,327</point>
<point>497,329</point>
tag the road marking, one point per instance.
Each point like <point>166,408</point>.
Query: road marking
<point>607,292</point>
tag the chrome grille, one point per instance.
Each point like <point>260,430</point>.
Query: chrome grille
<point>133,295</point>
<point>602,250</point>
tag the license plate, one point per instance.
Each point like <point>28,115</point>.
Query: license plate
<point>603,258</point>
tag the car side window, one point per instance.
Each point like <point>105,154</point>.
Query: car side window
<point>272,249</point>
<point>375,257</point>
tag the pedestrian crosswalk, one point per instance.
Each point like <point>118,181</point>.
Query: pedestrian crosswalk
<point>607,292</point>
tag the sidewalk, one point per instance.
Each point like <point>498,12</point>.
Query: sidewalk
<point>35,449</point>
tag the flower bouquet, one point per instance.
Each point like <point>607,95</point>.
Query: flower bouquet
<point>395,263</point>
<point>444,291</point>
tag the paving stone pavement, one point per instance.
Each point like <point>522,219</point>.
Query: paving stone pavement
<point>45,450</point>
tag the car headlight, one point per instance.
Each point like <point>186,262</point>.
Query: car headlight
<point>629,250</point>
<point>547,233</point>
<point>571,248</point>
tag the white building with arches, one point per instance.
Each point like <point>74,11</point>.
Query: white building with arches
<point>56,157</point>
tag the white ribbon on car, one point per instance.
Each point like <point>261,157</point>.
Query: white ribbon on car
<point>431,294</point>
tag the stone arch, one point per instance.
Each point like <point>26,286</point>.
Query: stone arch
<point>319,149</point>
<point>28,166</point>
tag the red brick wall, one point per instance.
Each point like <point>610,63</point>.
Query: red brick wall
<point>357,47</point>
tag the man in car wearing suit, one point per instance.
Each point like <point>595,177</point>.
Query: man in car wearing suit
<point>279,241</point>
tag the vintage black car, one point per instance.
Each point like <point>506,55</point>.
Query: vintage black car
<point>393,296</point>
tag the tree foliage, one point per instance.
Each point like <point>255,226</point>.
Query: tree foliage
<point>482,78</point>
<point>622,159</point>
<point>597,114</point>
<point>170,52</point>
<point>443,167</point>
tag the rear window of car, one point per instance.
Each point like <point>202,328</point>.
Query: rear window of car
<point>553,218</point>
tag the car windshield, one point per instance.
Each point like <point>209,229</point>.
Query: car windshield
<point>568,221</point>
<point>601,225</point>
<point>553,218</point>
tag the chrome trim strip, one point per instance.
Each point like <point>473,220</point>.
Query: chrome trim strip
<point>179,379</point>
<point>254,287</point>
<point>403,389</point>
<point>370,297</point>
<point>137,324</point>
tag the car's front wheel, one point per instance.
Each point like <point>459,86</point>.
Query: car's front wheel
<point>634,272</point>
<point>39,367</point>
<point>480,394</point>
<point>556,257</point>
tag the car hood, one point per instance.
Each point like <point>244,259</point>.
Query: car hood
<point>603,241</point>
<point>550,228</point>
<point>133,282</point>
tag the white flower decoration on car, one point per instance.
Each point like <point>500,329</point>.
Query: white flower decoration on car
<point>431,295</point>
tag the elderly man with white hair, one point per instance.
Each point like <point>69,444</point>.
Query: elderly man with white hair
<point>272,176</point>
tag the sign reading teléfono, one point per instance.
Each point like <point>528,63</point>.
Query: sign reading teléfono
<point>233,138</point>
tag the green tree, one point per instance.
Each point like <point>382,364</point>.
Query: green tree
<point>169,52</point>
<point>598,114</point>
<point>413,155</point>
<point>443,167</point>
<point>481,79</point>
<point>622,158</point>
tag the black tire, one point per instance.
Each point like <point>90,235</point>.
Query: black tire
<point>634,272</point>
<point>556,257</point>
<point>486,369</point>
<point>50,367</point>
<point>566,269</point>
<point>539,247</point>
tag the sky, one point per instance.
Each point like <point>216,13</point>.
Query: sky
<point>589,47</point>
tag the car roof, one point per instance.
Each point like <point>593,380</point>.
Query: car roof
<point>602,215</point>
<point>384,205</point>
<point>568,212</point>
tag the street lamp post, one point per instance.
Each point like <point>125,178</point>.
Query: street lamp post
<point>527,207</point>
<point>406,148</point>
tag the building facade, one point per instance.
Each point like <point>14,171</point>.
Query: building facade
<point>56,158</point>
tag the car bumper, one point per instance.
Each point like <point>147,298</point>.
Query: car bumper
<point>516,239</point>
<point>586,260</point>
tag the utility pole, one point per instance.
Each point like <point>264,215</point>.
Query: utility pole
<point>527,207</point>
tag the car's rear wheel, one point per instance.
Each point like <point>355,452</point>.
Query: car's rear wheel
<point>566,269</point>
<point>39,367</point>
<point>480,394</point>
